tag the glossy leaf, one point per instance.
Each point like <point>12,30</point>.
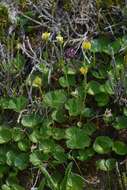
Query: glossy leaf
<point>89,128</point>
<point>102,99</point>
<point>17,104</point>
<point>21,161</point>
<point>5,135</point>
<point>121,123</point>
<point>85,154</point>
<point>77,138</point>
<point>93,87</point>
<point>103,144</point>
<point>55,99</point>
<point>31,120</point>
<point>74,106</point>
<point>119,148</point>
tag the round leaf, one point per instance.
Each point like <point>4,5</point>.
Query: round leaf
<point>54,99</point>
<point>103,144</point>
<point>102,99</point>
<point>121,123</point>
<point>21,161</point>
<point>75,182</point>
<point>47,145</point>
<point>93,87</point>
<point>85,154</point>
<point>24,145</point>
<point>74,106</point>
<point>5,135</point>
<point>76,138</point>
<point>119,148</point>
<point>89,128</point>
<point>31,120</point>
<point>67,81</point>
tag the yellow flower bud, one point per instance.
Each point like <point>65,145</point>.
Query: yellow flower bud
<point>19,46</point>
<point>37,82</point>
<point>83,70</point>
<point>59,39</point>
<point>45,36</point>
<point>86,45</point>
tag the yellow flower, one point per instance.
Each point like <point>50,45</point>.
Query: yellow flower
<point>19,45</point>
<point>59,39</point>
<point>83,70</point>
<point>86,45</point>
<point>45,36</point>
<point>37,82</point>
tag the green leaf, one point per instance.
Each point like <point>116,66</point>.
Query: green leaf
<point>59,155</point>
<point>10,156</point>
<point>125,111</point>
<point>77,138</point>
<point>89,128</point>
<point>106,165</point>
<point>67,81</point>
<point>24,145</point>
<point>46,132</point>
<point>85,154</point>
<point>37,158</point>
<point>17,103</point>
<point>93,88</point>
<point>121,123</point>
<point>17,134</point>
<point>103,144</point>
<point>42,184</point>
<point>6,187</point>
<point>58,133</point>
<point>119,148</point>
<point>87,112</point>
<point>68,70</point>
<point>2,158</point>
<point>12,186</point>
<point>31,120</point>
<point>3,170</point>
<point>99,74</point>
<point>63,184</point>
<point>75,182</point>
<point>101,45</point>
<point>102,99</point>
<point>47,145</point>
<point>55,99</point>
<point>35,136</point>
<point>74,106</point>
<point>107,88</point>
<point>5,135</point>
<point>116,46</point>
<point>3,152</point>
<point>17,187</point>
<point>59,116</point>
<point>21,161</point>
<point>17,64</point>
<point>53,184</point>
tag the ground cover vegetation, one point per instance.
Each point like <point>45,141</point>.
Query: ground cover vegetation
<point>63,95</point>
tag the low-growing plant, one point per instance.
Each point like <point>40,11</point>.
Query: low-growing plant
<point>60,105</point>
